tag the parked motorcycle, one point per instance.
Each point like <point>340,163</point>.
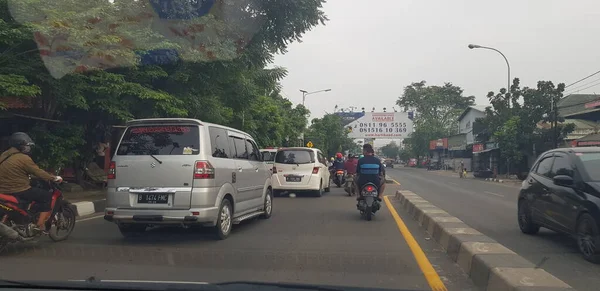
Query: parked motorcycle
<point>339,178</point>
<point>18,218</point>
<point>368,203</point>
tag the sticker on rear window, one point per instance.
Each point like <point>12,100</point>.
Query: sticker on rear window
<point>160,129</point>
<point>187,150</point>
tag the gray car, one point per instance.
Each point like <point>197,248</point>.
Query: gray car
<point>185,172</point>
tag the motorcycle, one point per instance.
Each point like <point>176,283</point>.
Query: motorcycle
<point>350,187</point>
<point>18,218</point>
<point>339,178</point>
<point>368,203</point>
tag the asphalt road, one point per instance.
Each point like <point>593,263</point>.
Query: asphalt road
<point>491,208</point>
<point>307,240</point>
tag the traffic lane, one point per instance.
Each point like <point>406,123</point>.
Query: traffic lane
<point>496,217</point>
<point>307,240</point>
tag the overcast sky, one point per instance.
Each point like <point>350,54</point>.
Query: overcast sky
<point>371,49</point>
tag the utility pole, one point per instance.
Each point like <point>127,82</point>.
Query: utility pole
<point>555,133</point>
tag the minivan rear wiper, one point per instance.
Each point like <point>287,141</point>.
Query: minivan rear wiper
<point>159,161</point>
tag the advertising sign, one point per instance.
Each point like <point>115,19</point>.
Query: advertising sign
<point>382,125</point>
<point>348,117</point>
<point>438,144</point>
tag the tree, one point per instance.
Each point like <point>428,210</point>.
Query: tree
<point>515,127</point>
<point>329,135</point>
<point>391,150</point>
<point>93,64</point>
<point>436,110</point>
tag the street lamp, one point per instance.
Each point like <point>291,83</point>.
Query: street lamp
<point>304,93</point>
<point>474,46</point>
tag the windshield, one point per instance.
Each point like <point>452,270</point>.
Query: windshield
<point>295,157</point>
<point>591,164</point>
<point>198,140</point>
<point>160,140</point>
<point>268,157</point>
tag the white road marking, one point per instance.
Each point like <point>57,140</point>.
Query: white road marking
<point>452,183</point>
<point>492,193</point>
<point>90,218</point>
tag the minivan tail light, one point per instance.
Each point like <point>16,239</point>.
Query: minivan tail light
<point>315,170</point>
<point>112,171</point>
<point>204,170</point>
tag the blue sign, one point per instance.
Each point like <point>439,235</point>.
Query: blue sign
<point>348,117</point>
<point>182,10</point>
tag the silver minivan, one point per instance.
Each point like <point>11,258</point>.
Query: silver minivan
<point>173,171</point>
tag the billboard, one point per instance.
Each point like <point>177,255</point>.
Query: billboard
<point>381,125</point>
<point>348,117</point>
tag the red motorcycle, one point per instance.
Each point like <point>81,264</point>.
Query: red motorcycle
<point>18,218</point>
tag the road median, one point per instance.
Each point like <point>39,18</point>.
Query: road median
<point>490,265</point>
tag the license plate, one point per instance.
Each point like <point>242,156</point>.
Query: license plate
<point>153,198</point>
<point>293,179</point>
<point>370,194</point>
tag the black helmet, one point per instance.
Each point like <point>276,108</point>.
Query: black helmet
<point>19,140</point>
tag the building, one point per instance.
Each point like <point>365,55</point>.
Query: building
<point>460,145</point>
<point>466,120</point>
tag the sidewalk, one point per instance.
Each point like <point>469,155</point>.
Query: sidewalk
<point>86,202</point>
<point>449,173</point>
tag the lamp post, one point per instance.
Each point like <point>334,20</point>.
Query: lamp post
<point>305,93</point>
<point>475,46</point>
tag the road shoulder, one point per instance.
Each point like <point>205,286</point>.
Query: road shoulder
<point>490,265</point>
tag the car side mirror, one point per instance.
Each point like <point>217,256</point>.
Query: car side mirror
<point>563,180</point>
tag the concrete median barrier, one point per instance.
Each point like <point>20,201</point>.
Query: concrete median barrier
<point>490,265</point>
<point>84,208</point>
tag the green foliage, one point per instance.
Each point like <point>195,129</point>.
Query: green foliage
<point>56,145</point>
<point>329,135</point>
<point>404,155</point>
<point>222,79</point>
<point>436,110</point>
<point>507,137</point>
<point>531,106</point>
<point>391,150</point>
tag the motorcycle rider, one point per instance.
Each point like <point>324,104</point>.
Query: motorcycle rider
<point>338,164</point>
<point>350,167</point>
<point>350,164</point>
<point>370,170</point>
<point>15,167</point>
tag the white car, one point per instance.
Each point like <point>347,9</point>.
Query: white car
<point>298,169</point>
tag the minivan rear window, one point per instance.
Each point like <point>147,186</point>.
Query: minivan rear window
<point>295,157</point>
<point>160,140</point>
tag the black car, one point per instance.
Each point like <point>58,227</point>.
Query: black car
<point>562,193</point>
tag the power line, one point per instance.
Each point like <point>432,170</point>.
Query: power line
<point>579,86</point>
<point>594,84</point>
<point>596,73</point>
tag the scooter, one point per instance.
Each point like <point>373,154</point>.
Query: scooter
<point>339,178</point>
<point>350,187</point>
<point>368,203</point>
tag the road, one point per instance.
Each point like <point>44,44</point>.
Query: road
<point>307,240</point>
<point>491,208</point>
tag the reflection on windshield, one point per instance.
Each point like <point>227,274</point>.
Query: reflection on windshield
<point>89,34</point>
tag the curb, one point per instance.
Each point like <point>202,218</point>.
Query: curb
<point>83,208</point>
<point>489,264</point>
